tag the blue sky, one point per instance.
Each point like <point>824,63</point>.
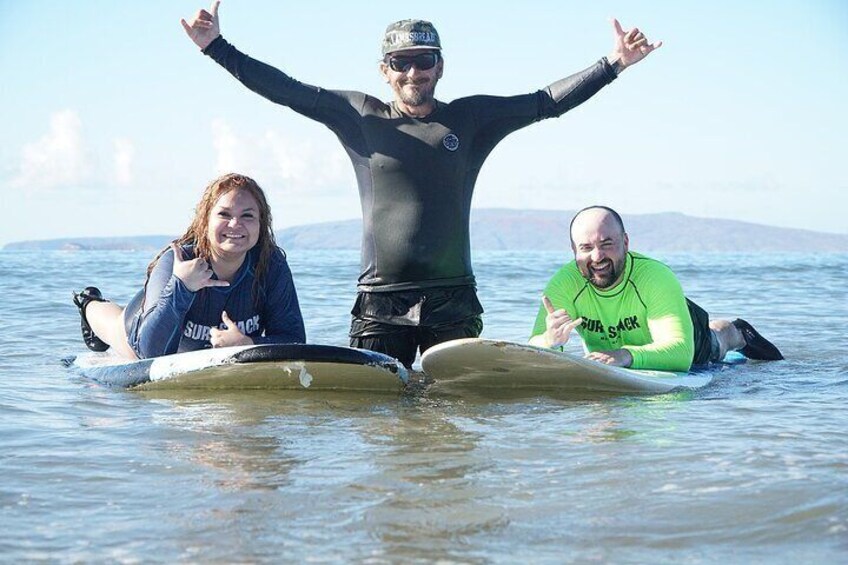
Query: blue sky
<point>113,122</point>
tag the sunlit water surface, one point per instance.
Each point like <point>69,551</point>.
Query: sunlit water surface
<point>752,468</point>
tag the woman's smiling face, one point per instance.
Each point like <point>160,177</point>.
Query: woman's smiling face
<point>234,224</point>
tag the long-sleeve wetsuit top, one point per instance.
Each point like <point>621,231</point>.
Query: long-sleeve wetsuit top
<point>174,319</point>
<point>645,313</point>
<point>415,175</point>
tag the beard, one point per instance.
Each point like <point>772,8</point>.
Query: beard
<point>607,277</point>
<point>422,93</point>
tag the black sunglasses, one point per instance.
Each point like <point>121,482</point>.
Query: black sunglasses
<point>422,61</point>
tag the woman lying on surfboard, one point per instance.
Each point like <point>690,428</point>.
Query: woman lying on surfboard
<point>223,283</point>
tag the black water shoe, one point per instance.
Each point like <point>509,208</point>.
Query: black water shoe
<point>82,299</point>
<point>756,346</point>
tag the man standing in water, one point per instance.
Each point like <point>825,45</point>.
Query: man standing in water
<point>416,161</point>
<point>630,309</point>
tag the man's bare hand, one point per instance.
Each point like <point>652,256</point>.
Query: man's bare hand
<point>204,27</point>
<point>559,324</point>
<point>616,357</point>
<point>630,46</point>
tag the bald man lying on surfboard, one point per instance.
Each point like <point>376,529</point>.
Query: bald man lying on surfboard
<point>630,309</point>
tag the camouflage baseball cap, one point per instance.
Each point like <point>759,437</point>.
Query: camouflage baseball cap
<point>410,34</point>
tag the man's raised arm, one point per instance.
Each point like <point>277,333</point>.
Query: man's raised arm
<point>630,47</point>
<point>204,27</point>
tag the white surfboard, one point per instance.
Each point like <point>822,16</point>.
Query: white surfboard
<point>284,367</point>
<point>485,364</point>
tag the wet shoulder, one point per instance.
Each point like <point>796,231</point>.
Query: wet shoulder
<point>166,257</point>
<point>567,280</point>
<point>277,264</point>
<point>360,102</point>
<point>647,270</point>
<point>364,104</point>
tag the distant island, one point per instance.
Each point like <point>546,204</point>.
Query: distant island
<point>516,230</point>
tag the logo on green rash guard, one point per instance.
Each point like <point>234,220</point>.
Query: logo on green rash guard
<point>596,326</point>
<point>451,142</point>
<point>626,324</point>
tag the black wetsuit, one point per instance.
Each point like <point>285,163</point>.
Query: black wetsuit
<point>416,177</point>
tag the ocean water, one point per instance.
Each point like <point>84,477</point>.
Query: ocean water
<point>753,468</point>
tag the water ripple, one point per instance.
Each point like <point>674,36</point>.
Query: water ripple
<point>749,469</point>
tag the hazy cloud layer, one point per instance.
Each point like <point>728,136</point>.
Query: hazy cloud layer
<point>124,154</point>
<point>57,158</point>
<point>298,165</point>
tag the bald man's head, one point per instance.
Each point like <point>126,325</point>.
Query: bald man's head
<point>594,214</point>
<point>600,245</point>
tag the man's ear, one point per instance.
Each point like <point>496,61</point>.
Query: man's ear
<point>626,243</point>
<point>441,68</point>
<point>383,68</point>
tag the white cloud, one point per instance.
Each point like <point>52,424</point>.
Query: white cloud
<point>124,153</point>
<point>295,163</point>
<point>57,158</point>
<point>230,154</point>
<point>303,166</point>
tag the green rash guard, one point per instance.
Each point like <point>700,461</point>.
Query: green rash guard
<point>645,313</point>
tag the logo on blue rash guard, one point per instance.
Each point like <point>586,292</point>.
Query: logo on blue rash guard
<point>199,332</point>
<point>451,142</point>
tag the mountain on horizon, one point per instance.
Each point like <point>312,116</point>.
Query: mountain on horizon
<point>511,229</point>
<point>541,230</point>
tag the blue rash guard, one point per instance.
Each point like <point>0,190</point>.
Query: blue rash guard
<point>168,318</point>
